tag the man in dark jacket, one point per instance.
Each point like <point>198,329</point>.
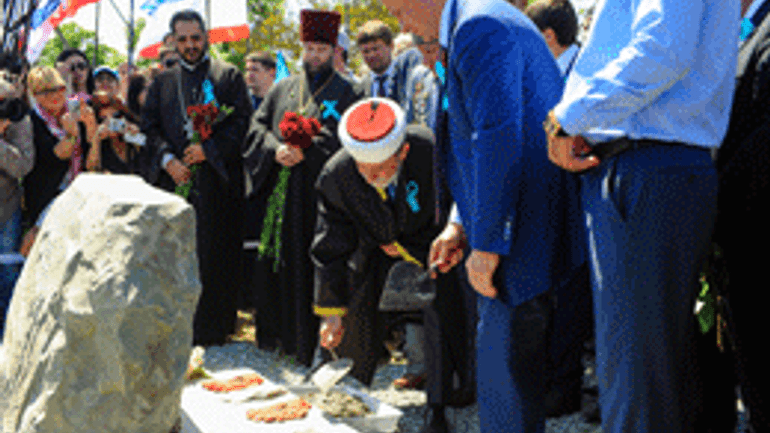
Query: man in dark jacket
<point>217,185</point>
<point>321,93</point>
<point>375,208</point>
<point>743,165</point>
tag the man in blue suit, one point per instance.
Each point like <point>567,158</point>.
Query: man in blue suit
<point>511,204</point>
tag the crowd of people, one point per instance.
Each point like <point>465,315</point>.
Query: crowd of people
<point>558,194</point>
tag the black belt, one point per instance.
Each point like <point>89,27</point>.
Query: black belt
<point>608,149</point>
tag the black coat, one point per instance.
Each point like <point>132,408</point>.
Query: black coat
<point>351,268</point>
<point>217,194</point>
<point>43,183</point>
<point>354,221</point>
<point>743,164</point>
<point>292,284</point>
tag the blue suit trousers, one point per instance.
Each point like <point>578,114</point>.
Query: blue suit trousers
<point>512,350</point>
<point>649,214</point>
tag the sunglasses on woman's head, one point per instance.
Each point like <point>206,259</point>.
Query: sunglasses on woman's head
<point>170,63</point>
<point>52,90</point>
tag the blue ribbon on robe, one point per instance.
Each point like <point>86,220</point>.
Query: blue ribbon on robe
<point>330,109</point>
<point>412,190</point>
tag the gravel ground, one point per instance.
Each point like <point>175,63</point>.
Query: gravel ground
<point>282,370</point>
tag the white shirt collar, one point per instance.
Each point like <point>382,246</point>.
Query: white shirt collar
<point>755,5</point>
<point>566,58</point>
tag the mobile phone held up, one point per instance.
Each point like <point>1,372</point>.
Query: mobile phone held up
<point>73,106</point>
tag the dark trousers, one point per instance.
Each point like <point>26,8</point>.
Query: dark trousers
<point>650,214</point>
<point>749,302</point>
<point>512,344</point>
<point>450,336</point>
<point>572,326</point>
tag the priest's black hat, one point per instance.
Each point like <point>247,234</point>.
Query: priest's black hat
<point>320,26</point>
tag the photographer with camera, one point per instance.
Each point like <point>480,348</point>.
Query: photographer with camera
<point>17,156</point>
<point>117,140</point>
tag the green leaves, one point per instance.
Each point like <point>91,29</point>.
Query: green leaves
<point>185,189</point>
<point>705,307</point>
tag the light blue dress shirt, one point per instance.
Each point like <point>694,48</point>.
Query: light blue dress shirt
<point>655,69</point>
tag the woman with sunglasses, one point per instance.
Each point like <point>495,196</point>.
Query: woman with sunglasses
<point>61,144</point>
<point>74,68</point>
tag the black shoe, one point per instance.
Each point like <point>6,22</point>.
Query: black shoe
<point>561,401</point>
<point>461,398</point>
<point>590,410</point>
<point>438,423</point>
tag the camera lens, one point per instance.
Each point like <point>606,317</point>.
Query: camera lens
<point>12,109</point>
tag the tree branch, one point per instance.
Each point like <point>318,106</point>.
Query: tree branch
<point>62,38</point>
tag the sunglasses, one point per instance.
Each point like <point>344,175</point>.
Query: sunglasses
<point>51,90</point>
<point>169,63</point>
<point>80,66</point>
<point>420,41</point>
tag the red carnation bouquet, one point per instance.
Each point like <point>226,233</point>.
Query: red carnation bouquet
<point>297,131</point>
<point>203,117</point>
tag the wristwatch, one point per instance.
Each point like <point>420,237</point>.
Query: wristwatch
<point>553,127</point>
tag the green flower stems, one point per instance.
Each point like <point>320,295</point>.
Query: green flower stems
<point>185,188</point>
<point>270,238</point>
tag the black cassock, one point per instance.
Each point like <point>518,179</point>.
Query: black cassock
<point>351,268</point>
<point>217,193</point>
<point>284,298</point>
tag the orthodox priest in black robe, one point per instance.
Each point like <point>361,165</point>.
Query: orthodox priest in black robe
<point>216,190</point>
<point>284,309</point>
<point>376,207</point>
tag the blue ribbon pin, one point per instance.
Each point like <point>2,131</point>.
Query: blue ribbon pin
<point>411,196</point>
<point>208,93</point>
<point>330,109</point>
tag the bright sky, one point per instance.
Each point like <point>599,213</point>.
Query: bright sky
<point>112,30</point>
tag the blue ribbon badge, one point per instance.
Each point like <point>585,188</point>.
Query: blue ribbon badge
<point>411,196</point>
<point>330,109</point>
<point>208,93</point>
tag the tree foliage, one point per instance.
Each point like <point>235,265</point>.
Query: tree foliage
<point>355,13</point>
<point>82,39</point>
<point>271,30</point>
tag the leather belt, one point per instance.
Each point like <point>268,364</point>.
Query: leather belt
<point>609,149</point>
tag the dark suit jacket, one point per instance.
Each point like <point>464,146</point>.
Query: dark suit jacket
<point>367,81</point>
<point>743,160</point>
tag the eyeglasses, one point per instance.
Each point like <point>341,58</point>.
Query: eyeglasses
<point>169,63</point>
<point>47,92</point>
<point>420,41</point>
<point>82,66</point>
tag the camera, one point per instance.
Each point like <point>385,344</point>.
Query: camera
<point>12,109</point>
<point>73,106</point>
<point>138,139</point>
<point>117,125</point>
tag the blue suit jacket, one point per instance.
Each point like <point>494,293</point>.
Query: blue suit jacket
<point>501,82</point>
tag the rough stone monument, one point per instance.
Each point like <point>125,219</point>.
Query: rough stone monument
<point>99,330</point>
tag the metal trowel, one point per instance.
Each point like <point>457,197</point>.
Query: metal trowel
<point>327,375</point>
<point>408,287</point>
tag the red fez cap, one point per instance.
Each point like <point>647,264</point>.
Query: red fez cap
<point>371,122</point>
<point>320,26</point>
<point>373,129</point>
